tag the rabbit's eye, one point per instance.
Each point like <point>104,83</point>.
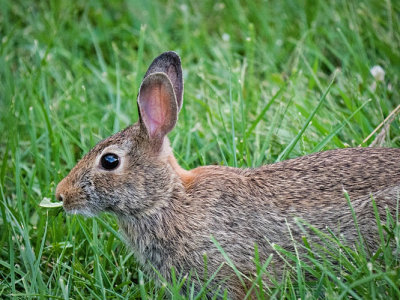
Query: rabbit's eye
<point>109,161</point>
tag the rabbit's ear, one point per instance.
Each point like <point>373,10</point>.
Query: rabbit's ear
<point>170,64</point>
<point>157,105</point>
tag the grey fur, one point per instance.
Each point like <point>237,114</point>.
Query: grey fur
<point>169,214</point>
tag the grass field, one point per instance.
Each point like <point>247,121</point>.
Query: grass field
<point>255,75</point>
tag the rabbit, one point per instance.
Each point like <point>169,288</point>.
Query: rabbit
<point>168,214</point>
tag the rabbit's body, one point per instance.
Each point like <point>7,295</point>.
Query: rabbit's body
<point>169,214</point>
<point>241,207</point>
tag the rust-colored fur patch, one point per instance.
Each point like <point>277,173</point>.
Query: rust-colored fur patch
<point>188,177</point>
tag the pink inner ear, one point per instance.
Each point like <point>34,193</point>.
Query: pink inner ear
<point>157,104</point>
<point>156,110</point>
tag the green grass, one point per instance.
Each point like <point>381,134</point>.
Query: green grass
<point>256,74</point>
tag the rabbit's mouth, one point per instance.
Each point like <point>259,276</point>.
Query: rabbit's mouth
<point>79,207</point>
<point>74,198</point>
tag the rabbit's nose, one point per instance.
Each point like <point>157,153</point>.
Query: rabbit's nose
<point>60,197</point>
<point>62,190</point>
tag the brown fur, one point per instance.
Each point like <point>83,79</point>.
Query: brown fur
<point>168,214</point>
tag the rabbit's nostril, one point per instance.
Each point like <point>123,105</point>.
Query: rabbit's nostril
<point>60,197</point>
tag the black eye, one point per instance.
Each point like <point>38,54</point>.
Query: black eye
<point>109,161</point>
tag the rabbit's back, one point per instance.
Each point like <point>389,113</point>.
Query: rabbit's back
<point>319,179</point>
<point>304,183</point>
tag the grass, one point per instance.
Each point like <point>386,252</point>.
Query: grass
<point>256,91</point>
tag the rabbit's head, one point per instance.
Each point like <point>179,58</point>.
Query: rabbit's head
<point>127,172</point>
